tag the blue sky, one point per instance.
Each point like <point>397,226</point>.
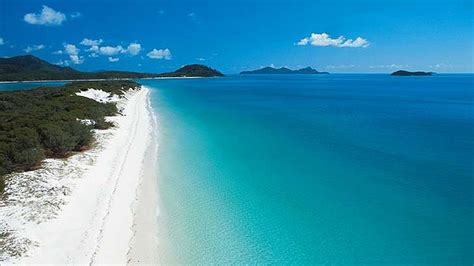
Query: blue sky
<point>157,36</point>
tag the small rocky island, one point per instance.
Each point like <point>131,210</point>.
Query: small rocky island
<point>283,70</point>
<point>409,73</point>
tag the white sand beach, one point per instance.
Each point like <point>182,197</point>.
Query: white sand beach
<point>96,207</point>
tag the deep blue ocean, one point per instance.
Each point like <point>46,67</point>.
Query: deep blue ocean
<point>324,169</point>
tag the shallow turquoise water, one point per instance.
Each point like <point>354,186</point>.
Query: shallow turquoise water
<point>316,169</point>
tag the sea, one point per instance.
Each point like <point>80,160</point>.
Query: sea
<point>315,169</point>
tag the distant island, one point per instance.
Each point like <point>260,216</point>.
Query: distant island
<point>29,68</point>
<point>409,73</point>
<point>283,70</point>
<point>193,71</point>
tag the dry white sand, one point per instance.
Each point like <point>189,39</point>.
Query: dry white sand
<point>95,207</point>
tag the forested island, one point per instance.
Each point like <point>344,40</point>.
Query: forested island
<point>29,68</point>
<point>193,71</point>
<point>51,122</point>
<point>283,70</point>
<point>410,73</point>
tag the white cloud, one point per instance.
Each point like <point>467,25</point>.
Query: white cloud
<point>75,59</point>
<point>93,49</point>
<point>340,66</point>
<point>323,39</point>
<point>48,16</point>
<point>303,41</point>
<point>76,15</point>
<point>134,48</point>
<point>110,50</point>
<point>441,66</point>
<point>30,49</point>
<point>390,66</point>
<point>201,59</point>
<point>58,52</point>
<point>1,41</point>
<point>113,59</point>
<point>160,54</point>
<point>62,63</point>
<point>71,49</point>
<point>73,53</point>
<point>358,42</point>
<point>90,42</point>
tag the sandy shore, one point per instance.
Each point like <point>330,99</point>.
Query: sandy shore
<point>95,207</point>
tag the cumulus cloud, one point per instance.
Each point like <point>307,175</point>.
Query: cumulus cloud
<point>73,53</point>
<point>323,39</point>
<point>113,59</point>
<point>90,42</point>
<point>160,54</point>
<point>95,49</point>
<point>32,48</point>
<point>1,41</point>
<point>134,48</point>
<point>71,49</point>
<point>75,59</point>
<point>48,16</point>
<point>111,50</point>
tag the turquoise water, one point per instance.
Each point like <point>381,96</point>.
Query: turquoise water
<point>316,169</point>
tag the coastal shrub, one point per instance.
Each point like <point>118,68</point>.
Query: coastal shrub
<point>100,123</point>
<point>56,140</point>
<point>5,162</point>
<point>45,122</point>
<point>26,150</point>
<point>81,135</point>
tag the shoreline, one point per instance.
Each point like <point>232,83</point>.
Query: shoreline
<point>86,209</point>
<point>143,245</point>
<point>72,80</point>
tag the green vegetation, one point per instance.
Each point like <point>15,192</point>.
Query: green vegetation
<point>409,73</point>
<point>45,122</point>
<point>193,71</point>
